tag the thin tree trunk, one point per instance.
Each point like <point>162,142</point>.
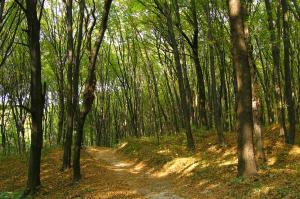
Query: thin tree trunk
<point>88,95</point>
<point>61,105</point>
<point>216,107</point>
<point>290,138</point>
<point>199,73</point>
<point>70,110</point>
<point>182,91</point>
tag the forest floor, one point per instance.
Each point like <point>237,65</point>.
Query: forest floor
<point>139,168</point>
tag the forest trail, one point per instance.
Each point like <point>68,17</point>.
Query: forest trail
<point>134,174</point>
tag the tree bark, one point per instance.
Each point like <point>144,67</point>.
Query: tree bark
<point>37,99</point>
<point>70,110</point>
<point>290,138</point>
<point>88,95</point>
<point>246,157</point>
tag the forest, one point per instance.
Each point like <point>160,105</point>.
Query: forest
<point>157,99</point>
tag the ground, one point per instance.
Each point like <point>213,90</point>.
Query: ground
<point>139,168</point>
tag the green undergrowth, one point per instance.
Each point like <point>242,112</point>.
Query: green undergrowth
<point>12,195</point>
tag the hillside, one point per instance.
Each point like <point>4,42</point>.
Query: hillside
<point>138,168</point>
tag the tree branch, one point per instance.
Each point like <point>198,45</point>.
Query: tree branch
<point>21,6</point>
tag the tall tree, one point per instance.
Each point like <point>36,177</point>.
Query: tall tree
<point>216,105</point>
<point>70,109</point>
<point>88,93</point>
<point>165,10</point>
<point>290,138</point>
<point>36,94</point>
<point>276,64</point>
<point>246,158</point>
<point>194,44</point>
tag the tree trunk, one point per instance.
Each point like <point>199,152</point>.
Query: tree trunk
<point>61,112</point>
<point>88,95</point>
<point>290,138</point>
<point>179,73</point>
<point>246,157</point>
<point>70,109</point>
<point>77,63</point>
<point>3,109</point>
<point>36,94</point>
<point>216,105</point>
<point>199,73</point>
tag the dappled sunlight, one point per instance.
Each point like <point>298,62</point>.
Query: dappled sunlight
<point>214,149</point>
<point>145,168</point>
<point>164,151</point>
<point>211,172</point>
<point>181,166</point>
<point>116,194</point>
<point>122,145</point>
<point>260,191</point>
<point>138,167</point>
<point>295,150</point>
<point>271,161</point>
<point>228,162</point>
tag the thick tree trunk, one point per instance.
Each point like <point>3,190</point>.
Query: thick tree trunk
<point>36,94</point>
<point>246,157</point>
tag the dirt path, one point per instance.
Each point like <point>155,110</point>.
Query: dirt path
<point>134,174</point>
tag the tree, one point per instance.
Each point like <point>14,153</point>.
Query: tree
<point>246,158</point>
<point>88,93</point>
<point>290,136</point>
<point>165,11</point>
<point>276,64</point>
<point>36,95</point>
<point>70,109</point>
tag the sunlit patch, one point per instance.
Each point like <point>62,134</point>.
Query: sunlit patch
<point>122,145</point>
<point>259,191</point>
<point>213,186</point>
<point>295,150</point>
<point>213,149</point>
<point>182,166</point>
<point>228,162</point>
<point>266,189</point>
<point>271,161</point>
<point>122,164</point>
<point>202,182</point>
<point>138,167</point>
<point>116,194</point>
<point>164,151</point>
